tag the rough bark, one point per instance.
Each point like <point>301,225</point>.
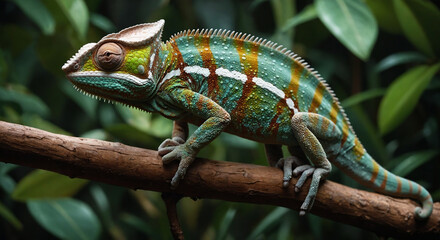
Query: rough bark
<point>137,168</point>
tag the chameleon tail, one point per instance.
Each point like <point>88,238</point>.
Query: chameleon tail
<point>369,173</point>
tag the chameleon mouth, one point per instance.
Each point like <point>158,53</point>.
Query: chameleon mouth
<point>100,76</point>
<point>113,87</point>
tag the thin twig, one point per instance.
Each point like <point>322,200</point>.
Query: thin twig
<point>171,200</point>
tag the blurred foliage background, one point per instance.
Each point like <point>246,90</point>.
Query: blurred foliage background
<point>380,57</point>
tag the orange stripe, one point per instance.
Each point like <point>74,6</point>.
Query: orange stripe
<point>427,198</point>
<point>240,109</point>
<point>209,62</point>
<point>292,90</point>
<point>334,112</point>
<point>317,98</point>
<point>375,172</point>
<point>384,182</point>
<point>358,149</point>
<point>410,187</point>
<point>345,132</point>
<point>419,189</point>
<point>399,185</point>
<point>274,125</point>
<point>248,59</point>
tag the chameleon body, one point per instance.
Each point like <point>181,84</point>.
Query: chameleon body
<point>228,81</point>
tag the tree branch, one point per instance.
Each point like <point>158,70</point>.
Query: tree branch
<point>137,168</point>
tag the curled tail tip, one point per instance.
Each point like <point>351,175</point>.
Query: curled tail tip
<point>423,213</point>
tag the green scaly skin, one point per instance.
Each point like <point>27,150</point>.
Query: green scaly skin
<point>233,82</point>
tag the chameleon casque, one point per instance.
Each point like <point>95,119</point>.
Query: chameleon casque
<point>228,81</point>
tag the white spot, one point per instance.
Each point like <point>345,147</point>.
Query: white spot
<point>171,74</point>
<point>197,70</point>
<point>291,105</point>
<point>141,69</point>
<point>261,83</point>
<point>231,74</point>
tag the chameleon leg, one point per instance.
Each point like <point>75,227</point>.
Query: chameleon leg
<point>307,128</point>
<point>198,106</point>
<point>179,136</point>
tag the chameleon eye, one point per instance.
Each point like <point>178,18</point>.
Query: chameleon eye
<point>109,56</point>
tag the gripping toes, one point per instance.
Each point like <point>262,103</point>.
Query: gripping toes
<point>317,174</point>
<point>286,165</point>
<point>169,145</point>
<point>174,149</point>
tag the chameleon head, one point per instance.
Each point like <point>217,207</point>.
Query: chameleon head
<point>121,66</point>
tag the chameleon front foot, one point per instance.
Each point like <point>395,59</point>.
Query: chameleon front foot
<point>169,145</point>
<point>174,150</point>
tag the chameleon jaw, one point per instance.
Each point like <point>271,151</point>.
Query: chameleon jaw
<point>103,75</point>
<point>124,88</point>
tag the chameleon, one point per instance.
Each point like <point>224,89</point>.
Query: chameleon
<point>227,81</point>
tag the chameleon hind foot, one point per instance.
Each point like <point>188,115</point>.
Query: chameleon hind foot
<point>317,175</point>
<point>286,164</point>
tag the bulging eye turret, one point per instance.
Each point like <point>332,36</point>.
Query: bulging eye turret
<point>109,56</point>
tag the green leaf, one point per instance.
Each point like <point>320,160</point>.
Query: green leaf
<point>103,204</point>
<point>132,136</point>
<point>285,228</point>
<point>283,10</point>
<point>418,21</point>
<point>44,184</point>
<point>351,22</point>
<point>225,224</point>
<point>36,121</point>
<point>88,104</point>
<point>102,22</point>
<point>9,216</point>
<point>36,11</point>
<point>363,96</point>
<point>154,125</point>
<point>99,134</point>
<point>66,218</point>
<point>307,14</point>
<point>403,95</point>
<point>385,15</point>
<point>28,102</point>
<point>215,14</point>
<point>399,58</point>
<point>78,14</point>
<point>268,222</point>
<point>414,161</point>
<point>140,225</point>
